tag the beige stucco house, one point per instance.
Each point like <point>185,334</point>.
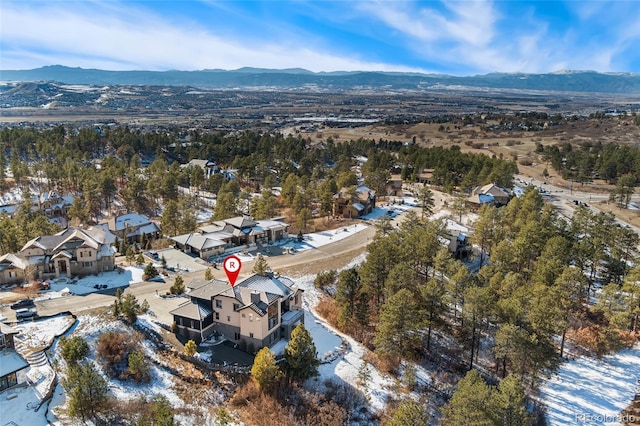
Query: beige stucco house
<point>258,311</point>
<point>72,252</point>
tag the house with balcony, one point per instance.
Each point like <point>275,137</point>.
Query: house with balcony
<point>258,311</point>
<point>13,368</point>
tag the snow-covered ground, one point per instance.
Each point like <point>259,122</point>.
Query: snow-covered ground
<point>21,405</point>
<point>86,285</point>
<point>342,355</point>
<point>588,391</point>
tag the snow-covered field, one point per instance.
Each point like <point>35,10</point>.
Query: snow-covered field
<point>587,391</point>
<point>86,285</point>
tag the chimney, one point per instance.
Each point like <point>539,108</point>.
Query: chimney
<point>255,297</point>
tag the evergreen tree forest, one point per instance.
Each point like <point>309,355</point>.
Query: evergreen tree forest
<point>142,172</point>
<point>544,281</point>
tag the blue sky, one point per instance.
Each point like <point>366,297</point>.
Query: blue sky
<point>450,37</point>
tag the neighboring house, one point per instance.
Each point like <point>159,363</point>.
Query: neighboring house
<point>53,205</point>
<point>131,226</point>
<point>50,204</point>
<point>13,368</point>
<point>208,167</point>
<point>12,268</point>
<point>459,245</point>
<point>257,312</point>
<point>394,188</point>
<point>354,203</point>
<point>488,194</point>
<point>224,235</point>
<point>72,252</point>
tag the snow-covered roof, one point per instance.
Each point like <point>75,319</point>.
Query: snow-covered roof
<point>121,222</point>
<point>10,362</point>
<point>240,222</point>
<point>358,206</point>
<point>271,224</point>
<point>11,259</point>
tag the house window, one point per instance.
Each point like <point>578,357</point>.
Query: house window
<point>228,318</point>
<point>251,317</point>
<point>243,315</point>
<point>13,274</point>
<point>251,335</point>
<point>236,336</point>
<point>3,343</point>
<point>87,264</point>
<point>219,304</point>
<point>81,254</point>
<point>217,316</point>
<point>236,306</point>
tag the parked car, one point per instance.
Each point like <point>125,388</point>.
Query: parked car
<point>24,303</point>
<point>22,314</point>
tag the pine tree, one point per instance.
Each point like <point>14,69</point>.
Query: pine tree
<point>265,372</point>
<point>301,357</point>
<point>137,367</point>
<point>347,295</point>
<point>261,267</point>
<point>397,335</point>
<point>162,411</point>
<point>86,389</point>
<point>130,308</point>
<point>74,349</point>
<point>140,260</point>
<point>178,286</point>
<point>408,412</point>
<point>511,403</point>
<point>208,275</point>
<point>471,404</point>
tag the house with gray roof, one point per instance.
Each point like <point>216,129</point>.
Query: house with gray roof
<point>132,226</point>
<point>258,311</point>
<point>220,236</point>
<point>72,252</point>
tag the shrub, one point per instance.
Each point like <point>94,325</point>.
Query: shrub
<point>138,369</point>
<point>190,348</point>
<point>113,348</point>
<point>325,278</point>
<point>74,349</point>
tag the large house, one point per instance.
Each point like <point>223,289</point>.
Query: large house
<point>256,312</point>
<point>13,368</point>
<point>489,194</point>
<point>53,205</point>
<point>354,203</point>
<point>132,226</point>
<point>72,252</point>
<point>208,167</point>
<point>224,235</point>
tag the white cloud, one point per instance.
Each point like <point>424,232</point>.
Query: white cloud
<point>130,38</point>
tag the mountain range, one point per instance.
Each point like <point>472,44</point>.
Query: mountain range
<point>245,78</point>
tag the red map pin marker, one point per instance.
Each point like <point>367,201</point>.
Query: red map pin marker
<point>232,267</point>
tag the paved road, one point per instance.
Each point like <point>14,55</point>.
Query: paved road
<point>336,254</point>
